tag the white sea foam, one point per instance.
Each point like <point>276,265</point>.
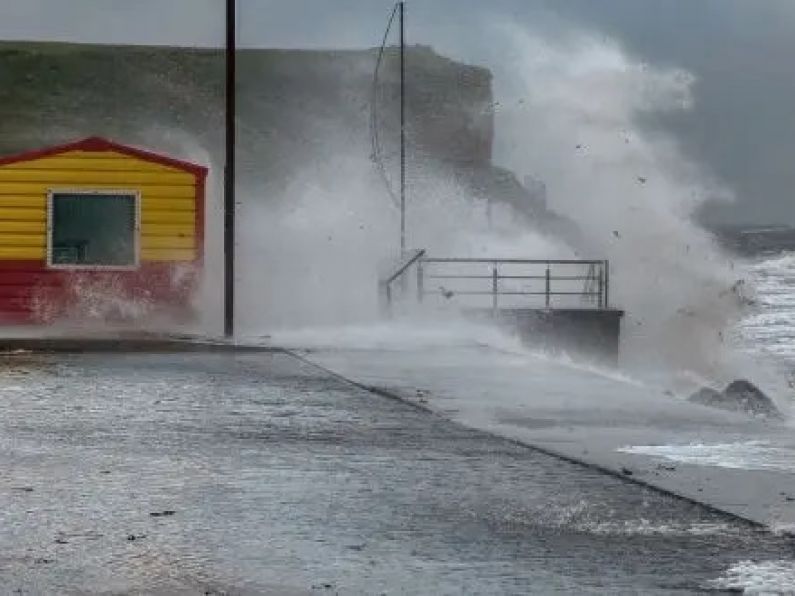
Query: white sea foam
<point>586,518</point>
<point>644,527</point>
<point>751,455</point>
<point>763,577</point>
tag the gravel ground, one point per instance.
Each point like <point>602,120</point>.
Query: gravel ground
<point>257,473</point>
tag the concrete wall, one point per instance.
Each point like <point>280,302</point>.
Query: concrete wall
<point>590,333</point>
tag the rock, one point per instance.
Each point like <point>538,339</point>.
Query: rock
<point>707,396</point>
<point>739,396</point>
<point>752,399</point>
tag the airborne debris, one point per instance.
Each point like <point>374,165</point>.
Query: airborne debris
<point>446,293</point>
<point>134,537</point>
<point>166,513</point>
<point>642,179</point>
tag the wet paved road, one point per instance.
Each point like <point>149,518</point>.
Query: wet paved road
<point>283,480</point>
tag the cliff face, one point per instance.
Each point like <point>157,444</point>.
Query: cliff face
<point>296,108</point>
<point>292,104</point>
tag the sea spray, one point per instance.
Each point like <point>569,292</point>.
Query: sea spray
<point>570,112</point>
<point>574,113</point>
<point>208,299</point>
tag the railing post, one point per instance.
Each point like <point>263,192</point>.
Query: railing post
<point>420,282</point>
<point>601,290</point>
<point>607,284</point>
<point>590,283</point>
<point>548,287</point>
<point>385,299</point>
<point>494,288</point>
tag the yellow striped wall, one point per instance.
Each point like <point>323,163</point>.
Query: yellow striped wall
<point>168,201</point>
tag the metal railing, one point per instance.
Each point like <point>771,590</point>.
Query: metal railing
<point>503,283</point>
<point>397,273</point>
<point>528,282</point>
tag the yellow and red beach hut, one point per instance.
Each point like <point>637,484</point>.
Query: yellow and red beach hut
<point>98,229</point>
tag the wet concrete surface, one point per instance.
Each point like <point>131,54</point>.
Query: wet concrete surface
<point>258,473</point>
<point>601,417</point>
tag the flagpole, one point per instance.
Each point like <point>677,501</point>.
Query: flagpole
<point>402,128</point>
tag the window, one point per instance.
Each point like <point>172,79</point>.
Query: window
<point>93,229</point>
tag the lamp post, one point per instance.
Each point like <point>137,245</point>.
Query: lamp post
<point>229,170</point>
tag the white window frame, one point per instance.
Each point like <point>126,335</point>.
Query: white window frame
<point>136,194</point>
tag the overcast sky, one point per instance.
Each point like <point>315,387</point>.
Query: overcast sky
<point>740,51</point>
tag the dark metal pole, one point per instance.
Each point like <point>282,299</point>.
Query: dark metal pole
<point>420,282</point>
<point>547,286</point>
<point>495,288</point>
<point>601,281</point>
<point>229,171</point>
<point>402,128</point>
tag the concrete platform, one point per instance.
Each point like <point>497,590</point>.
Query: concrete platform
<point>595,417</point>
<point>261,474</point>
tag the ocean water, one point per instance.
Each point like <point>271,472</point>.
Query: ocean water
<point>768,330</point>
